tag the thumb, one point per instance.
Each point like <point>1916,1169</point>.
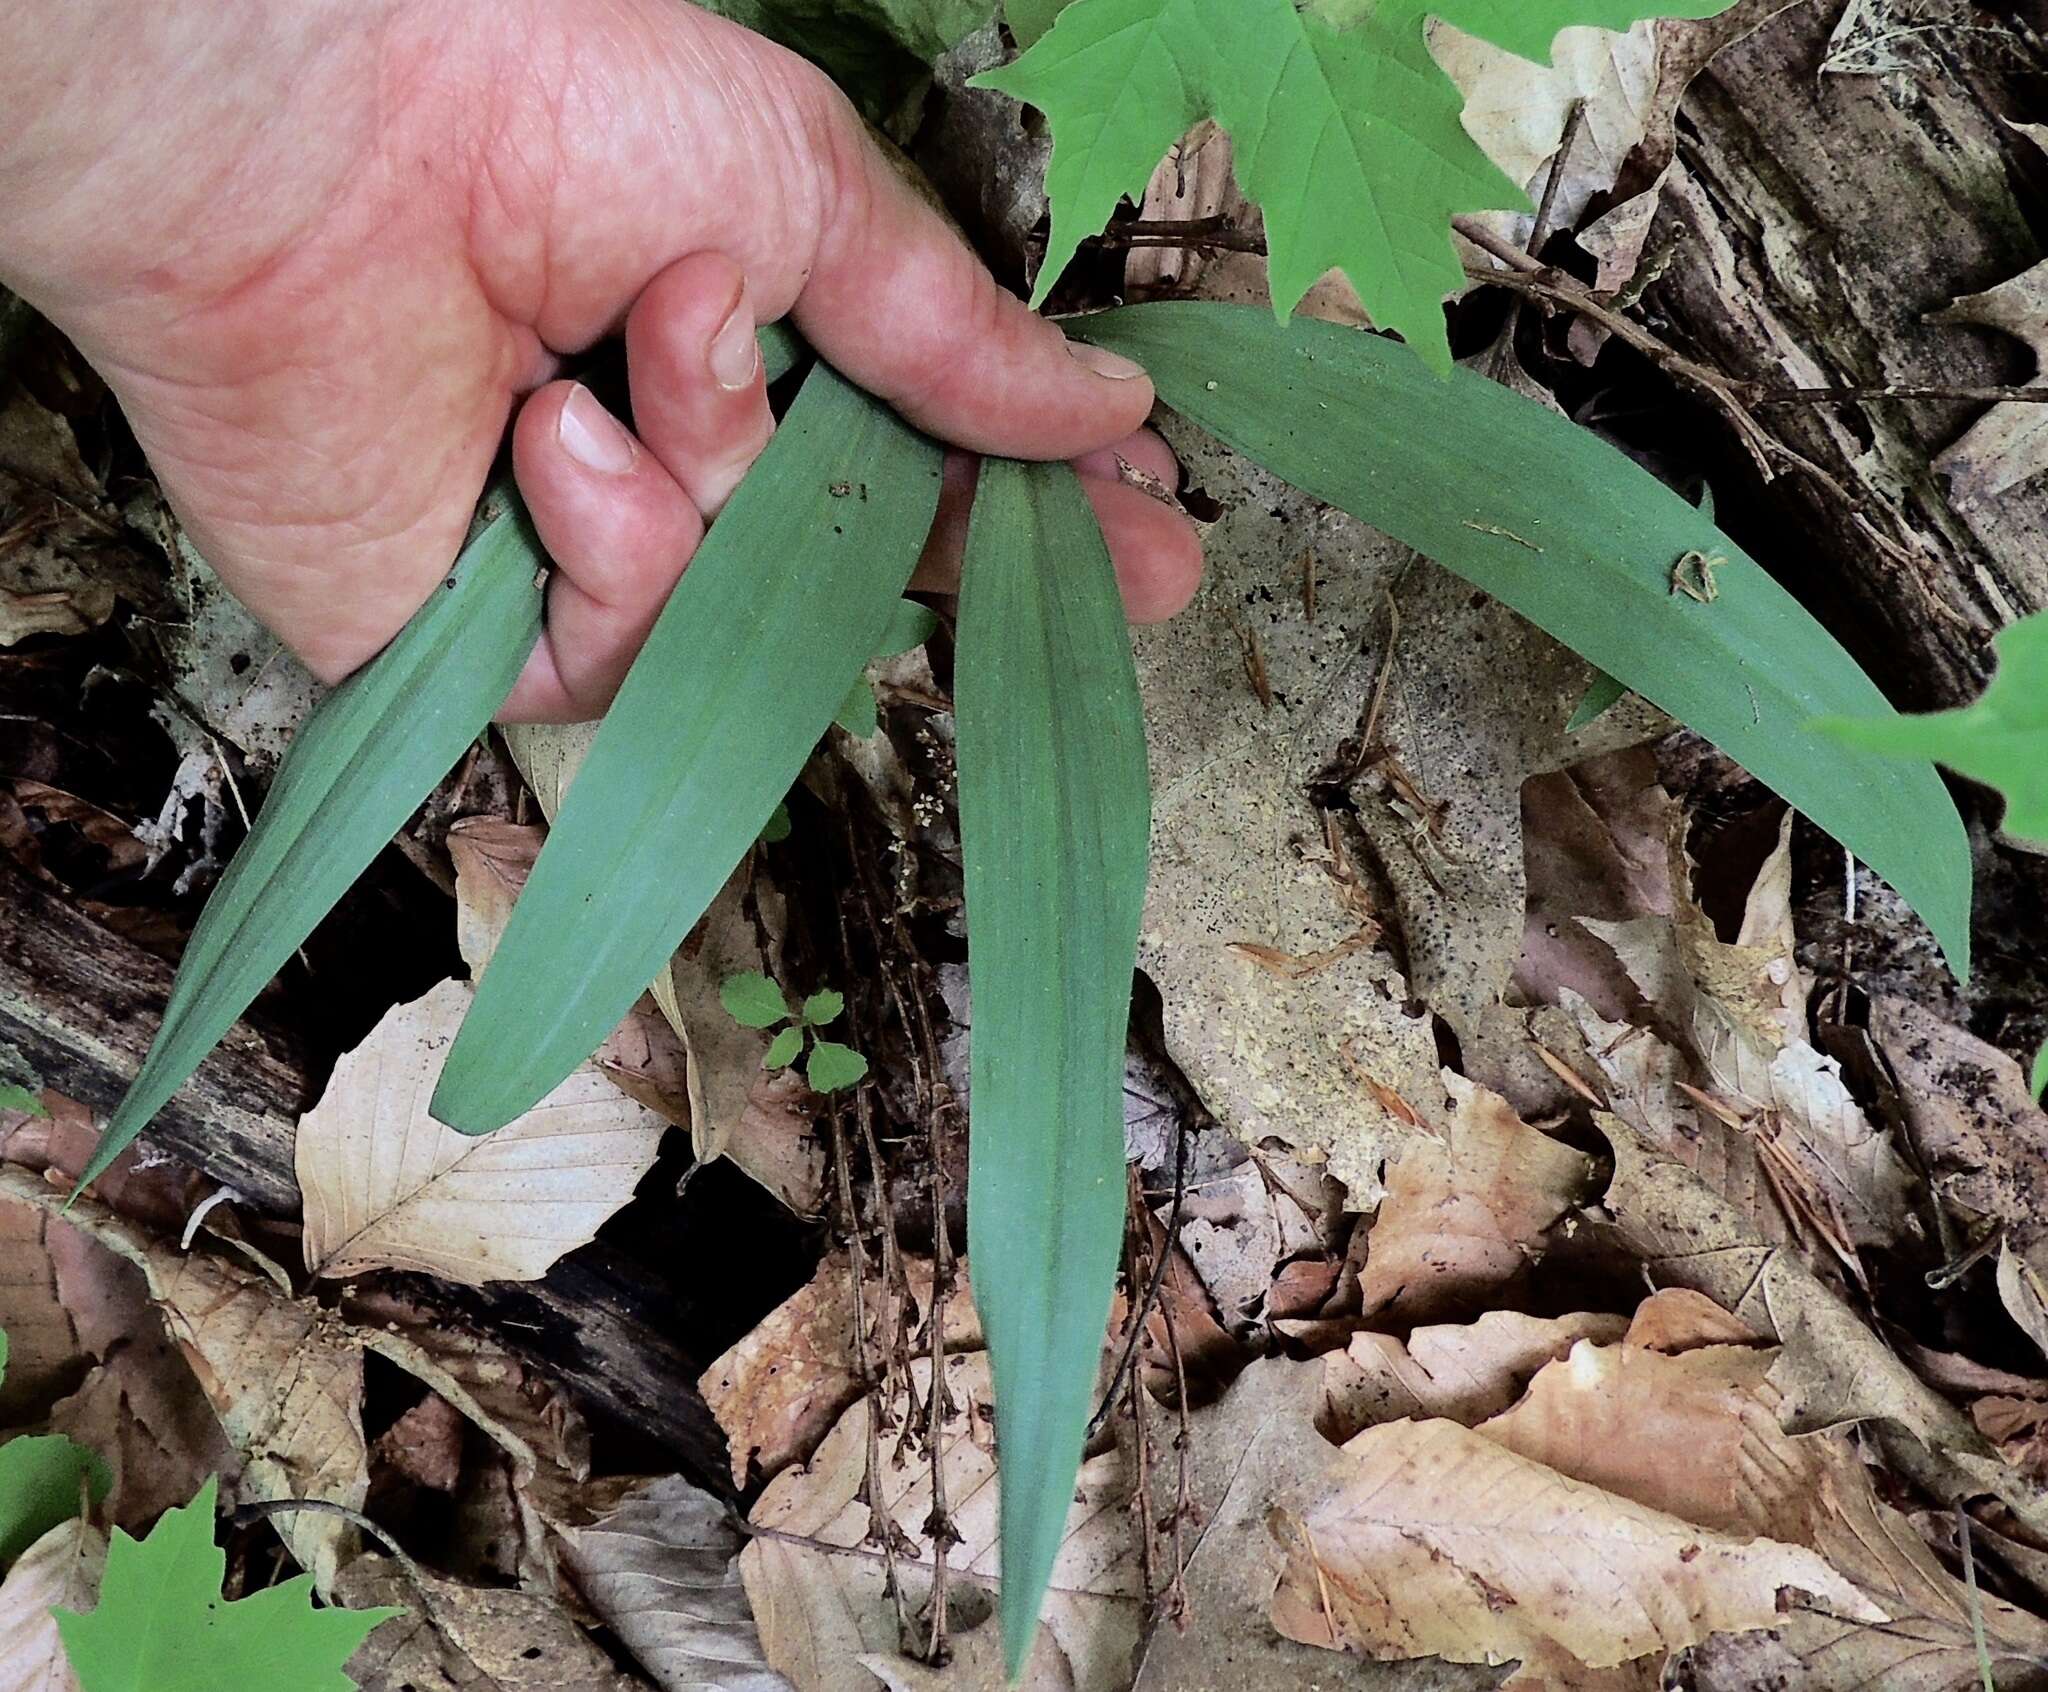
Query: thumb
<point>898,301</point>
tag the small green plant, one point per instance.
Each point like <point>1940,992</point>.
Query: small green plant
<point>754,1001</point>
<point>162,1624</point>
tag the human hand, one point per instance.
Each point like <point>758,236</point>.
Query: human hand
<point>320,249</point>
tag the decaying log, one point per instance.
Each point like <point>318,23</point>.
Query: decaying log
<point>1818,219</point>
<point>78,1007</point>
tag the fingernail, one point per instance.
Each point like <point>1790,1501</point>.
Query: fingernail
<point>735,355</point>
<point>1104,362</point>
<point>592,436</point>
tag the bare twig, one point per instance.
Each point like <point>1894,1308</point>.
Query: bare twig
<point>1145,1306</point>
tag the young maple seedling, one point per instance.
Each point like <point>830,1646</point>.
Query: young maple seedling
<point>754,1001</point>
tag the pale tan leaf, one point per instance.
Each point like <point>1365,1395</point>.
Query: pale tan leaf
<point>386,1186</point>
<point>725,1057</point>
<point>1519,112</point>
<point>1831,1369</point>
<point>816,1586</point>
<point>61,1570</point>
<point>1463,1374</point>
<point>778,1391</point>
<point>1250,1446</point>
<point>456,1638</point>
<point>660,1572</point>
<point>1427,1538</point>
<point>1465,1214</point>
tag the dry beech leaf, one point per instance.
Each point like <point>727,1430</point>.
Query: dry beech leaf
<point>780,1389</point>
<point>1695,1435</point>
<point>456,1638</point>
<point>1466,1212</point>
<point>1429,1539</point>
<point>1832,1368</point>
<point>492,859</point>
<point>284,1377</point>
<point>817,1586</point>
<point>660,1572</point>
<point>386,1186</point>
<point>1245,1449</point>
<point>1927,1645</point>
<point>1675,1319</point>
<point>62,1569</point>
<point>1519,112</point>
<point>1462,1374</point>
<point>45,1356</point>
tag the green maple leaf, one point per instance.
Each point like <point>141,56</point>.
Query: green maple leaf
<point>1344,129</point>
<point>2001,739</point>
<point>162,1625</point>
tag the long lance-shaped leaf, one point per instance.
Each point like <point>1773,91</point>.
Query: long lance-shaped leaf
<point>782,605</point>
<point>1055,812</point>
<point>1556,523</point>
<point>359,766</point>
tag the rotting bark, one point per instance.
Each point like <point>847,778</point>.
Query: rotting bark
<point>1818,219</point>
<point>78,1008</point>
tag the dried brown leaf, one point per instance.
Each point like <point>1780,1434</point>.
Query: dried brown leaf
<point>1694,1435</point>
<point>1466,1213</point>
<point>1428,1538</point>
<point>778,1391</point>
<point>456,1638</point>
<point>284,1377</point>
<point>1462,1374</point>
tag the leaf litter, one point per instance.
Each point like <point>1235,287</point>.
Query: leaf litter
<point>1516,1234</point>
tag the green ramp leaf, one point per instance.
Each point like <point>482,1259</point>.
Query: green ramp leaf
<point>790,592</point>
<point>161,1624</point>
<point>372,750</point>
<point>1055,808</point>
<point>1569,532</point>
<point>2001,739</point>
<point>1344,128</point>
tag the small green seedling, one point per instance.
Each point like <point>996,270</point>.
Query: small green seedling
<point>14,1096</point>
<point>754,1001</point>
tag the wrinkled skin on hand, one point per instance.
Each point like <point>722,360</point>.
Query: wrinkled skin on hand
<point>322,253</point>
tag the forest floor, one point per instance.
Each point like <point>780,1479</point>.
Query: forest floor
<point>1580,1236</point>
